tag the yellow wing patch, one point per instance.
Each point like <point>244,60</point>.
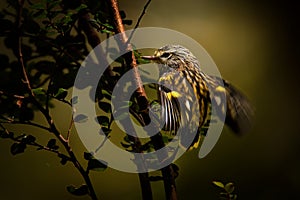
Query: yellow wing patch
<point>220,89</point>
<point>173,94</point>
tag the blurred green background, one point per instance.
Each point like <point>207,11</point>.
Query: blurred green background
<point>256,47</point>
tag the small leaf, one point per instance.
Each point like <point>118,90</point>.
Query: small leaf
<point>96,165</point>
<point>74,100</point>
<point>165,139</point>
<point>218,183</point>
<point>64,159</point>
<point>127,22</point>
<point>224,195</point>
<point>88,156</point>
<point>80,191</point>
<point>103,120</point>
<point>106,31</point>
<point>233,196</point>
<point>229,187</point>
<point>105,130</point>
<point>52,144</point>
<point>61,94</point>
<point>17,148</point>
<point>27,139</point>
<point>38,91</point>
<point>125,145</point>
<point>81,118</point>
<point>106,94</point>
<point>122,14</point>
<point>106,107</point>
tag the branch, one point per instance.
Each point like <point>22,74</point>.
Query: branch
<point>8,121</point>
<point>167,172</point>
<point>45,112</point>
<point>35,144</point>
<point>139,20</point>
<point>142,98</point>
<point>20,54</point>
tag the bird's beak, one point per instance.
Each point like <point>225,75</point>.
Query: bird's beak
<point>149,57</point>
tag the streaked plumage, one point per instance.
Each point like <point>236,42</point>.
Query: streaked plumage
<point>207,90</point>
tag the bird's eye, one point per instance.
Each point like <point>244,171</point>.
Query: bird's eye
<point>165,55</point>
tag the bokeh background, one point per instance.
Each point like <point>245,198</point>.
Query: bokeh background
<point>256,47</point>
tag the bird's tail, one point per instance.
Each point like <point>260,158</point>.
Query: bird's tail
<point>239,113</point>
<point>237,110</point>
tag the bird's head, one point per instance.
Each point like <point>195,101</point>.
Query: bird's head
<point>175,56</point>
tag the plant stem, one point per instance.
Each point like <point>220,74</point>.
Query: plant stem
<point>167,172</point>
<point>52,127</point>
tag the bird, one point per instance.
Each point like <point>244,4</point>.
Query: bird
<point>181,71</point>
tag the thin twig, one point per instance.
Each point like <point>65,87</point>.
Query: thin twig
<point>139,20</point>
<point>25,123</point>
<point>35,144</point>
<point>53,128</point>
<point>11,95</point>
<point>69,129</point>
<point>20,57</point>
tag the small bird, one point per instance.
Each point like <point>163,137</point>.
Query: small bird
<point>182,71</point>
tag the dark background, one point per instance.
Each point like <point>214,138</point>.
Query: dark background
<point>256,46</point>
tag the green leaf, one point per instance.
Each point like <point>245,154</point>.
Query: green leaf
<point>38,91</point>
<point>27,139</point>
<point>52,144</point>
<point>233,196</point>
<point>127,22</point>
<point>165,139</point>
<point>80,191</point>
<point>64,159</point>
<point>74,100</point>
<point>106,94</point>
<point>122,14</point>
<point>106,31</point>
<point>81,7</point>
<point>106,130</point>
<point>125,145</point>
<point>96,165</point>
<point>88,156</point>
<point>106,107</point>
<point>103,120</point>
<point>81,118</point>
<point>224,195</point>
<point>17,148</point>
<point>61,94</point>
<point>229,187</point>
<point>218,183</point>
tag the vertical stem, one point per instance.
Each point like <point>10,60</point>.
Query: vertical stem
<point>142,98</point>
<point>167,172</point>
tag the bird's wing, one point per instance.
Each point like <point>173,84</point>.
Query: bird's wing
<point>169,103</point>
